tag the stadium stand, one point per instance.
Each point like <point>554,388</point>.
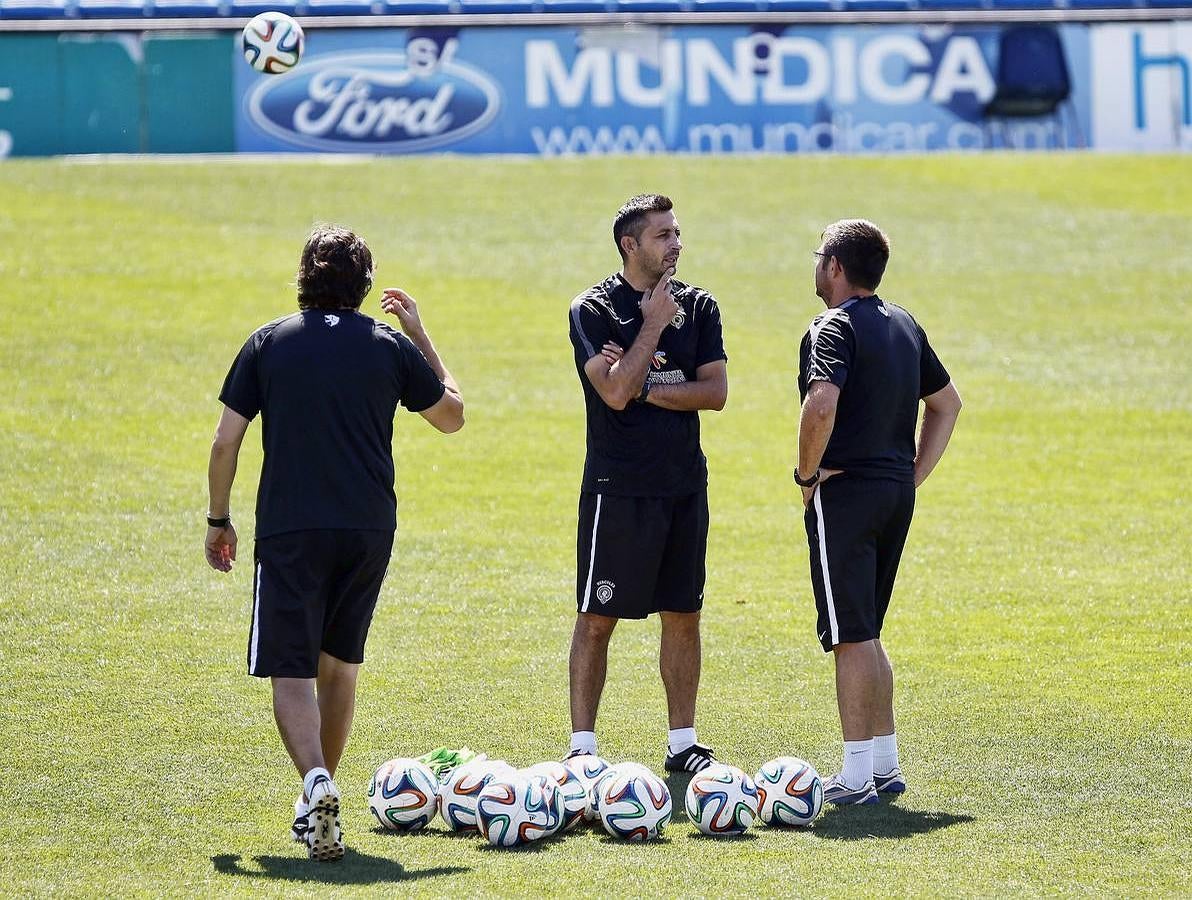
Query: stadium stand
<point>96,10</point>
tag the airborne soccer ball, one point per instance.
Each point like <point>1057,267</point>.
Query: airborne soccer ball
<point>272,43</point>
<point>573,791</point>
<point>403,795</point>
<point>458,795</point>
<point>633,803</point>
<point>515,809</point>
<point>790,792</point>
<point>721,800</point>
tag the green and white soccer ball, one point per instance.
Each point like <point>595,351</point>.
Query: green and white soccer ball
<point>459,794</point>
<point>633,803</point>
<point>403,794</point>
<point>518,808</point>
<point>721,800</point>
<point>789,791</point>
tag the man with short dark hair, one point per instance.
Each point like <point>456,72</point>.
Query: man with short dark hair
<point>864,366</point>
<point>327,381</point>
<point>643,510</point>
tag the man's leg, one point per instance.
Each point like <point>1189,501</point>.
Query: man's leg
<point>298,720</point>
<point>588,668</point>
<point>858,684</point>
<point>887,774</point>
<point>337,705</point>
<point>679,662</point>
<point>883,696</point>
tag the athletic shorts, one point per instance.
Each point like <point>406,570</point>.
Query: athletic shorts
<point>641,555</point>
<point>856,529</point>
<point>314,591</point>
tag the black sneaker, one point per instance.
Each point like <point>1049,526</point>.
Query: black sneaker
<point>579,751</point>
<point>695,758</point>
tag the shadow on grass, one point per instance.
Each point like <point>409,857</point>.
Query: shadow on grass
<point>676,783</point>
<point>354,868</point>
<point>887,820</point>
<point>742,838</point>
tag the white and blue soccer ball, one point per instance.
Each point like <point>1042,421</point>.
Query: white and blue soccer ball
<point>403,795</point>
<point>460,792</point>
<point>518,808</point>
<point>790,792</point>
<point>272,42</point>
<point>721,800</point>
<point>633,803</point>
<point>571,789</point>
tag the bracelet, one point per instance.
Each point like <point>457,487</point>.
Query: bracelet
<point>219,521</point>
<point>809,482</point>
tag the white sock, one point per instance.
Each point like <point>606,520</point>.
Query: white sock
<point>584,740</point>
<point>679,739</point>
<point>309,777</point>
<point>885,753</point>
<point>858,763</point>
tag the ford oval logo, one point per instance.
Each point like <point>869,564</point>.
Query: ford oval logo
<point>373,102</point>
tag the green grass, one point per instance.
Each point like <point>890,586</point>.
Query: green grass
<point>1040,630</point>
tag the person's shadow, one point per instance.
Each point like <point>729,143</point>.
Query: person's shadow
<point>886,820</point>
<point>354,868</point>
<point>676,783</point>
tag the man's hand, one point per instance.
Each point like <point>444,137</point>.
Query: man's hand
<point>658,306</point>
<point>809,492</point>
<point>398,303</point>
<point>220,547</point>
<point>612,352</point>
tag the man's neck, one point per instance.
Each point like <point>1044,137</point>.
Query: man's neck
<point>637,280</point>
<point>845,294</point>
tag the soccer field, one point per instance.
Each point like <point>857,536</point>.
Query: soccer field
<point>1041,630</point>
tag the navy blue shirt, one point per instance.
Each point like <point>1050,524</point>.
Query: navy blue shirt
<point>644,450</point>
<point>327,383</point>
<point>879,357</point>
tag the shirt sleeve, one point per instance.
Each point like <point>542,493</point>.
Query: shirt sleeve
<point>589,330</point>
<point>421,388</point>
<point>831,350</point>
<point>710,343</point>
<point>242,388</point>
<point>932,374</point>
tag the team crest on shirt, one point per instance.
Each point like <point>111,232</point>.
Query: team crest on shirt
<point>659,359</point>
<point>331,320</point>
<point>604,591</point>
<point>679,319</point>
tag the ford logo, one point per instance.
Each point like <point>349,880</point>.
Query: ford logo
<point>374,102</point>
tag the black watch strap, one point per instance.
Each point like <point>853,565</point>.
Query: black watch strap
<point>641,398</point>
<point>219,522</point>
<point>809,482</point>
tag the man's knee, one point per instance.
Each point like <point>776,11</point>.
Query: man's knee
<point>334,669</point>
<point>680,623</point>
<point>594,628</point>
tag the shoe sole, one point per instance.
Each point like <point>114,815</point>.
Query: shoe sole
<point>326,842</point>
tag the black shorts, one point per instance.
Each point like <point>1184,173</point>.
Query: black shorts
<point>856,529</point>
<point>314,591</point>
<point>640,555</point>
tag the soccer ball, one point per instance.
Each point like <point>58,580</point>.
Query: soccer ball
<point>403,795</point>
<point>588,769</point>
<point>517,808</point>
<point>458,795</point>
<point>272,42</point>
<point>790,792</point>
<point>721,800</point>
<point>633,803</point>
<point>573,791</point>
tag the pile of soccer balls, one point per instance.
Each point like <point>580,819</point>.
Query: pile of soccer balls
<point>511,807</point>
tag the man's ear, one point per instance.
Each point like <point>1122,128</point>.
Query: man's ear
<point>628,243</point>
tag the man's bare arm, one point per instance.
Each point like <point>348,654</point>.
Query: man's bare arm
<point>708,391</point>
<point>940,411</point>
<point>816,421</point>
<point>220,544</point>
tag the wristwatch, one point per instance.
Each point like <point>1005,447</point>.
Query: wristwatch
<point>219,521</point>
<point>641,398</point>
<point>806,483</point>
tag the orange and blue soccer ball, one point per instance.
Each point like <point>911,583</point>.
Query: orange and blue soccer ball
<point>272,43</point>
<point>403,795</point>
<point>790,792</point>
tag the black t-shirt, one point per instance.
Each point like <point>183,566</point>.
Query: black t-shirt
<point>644,450</point>
<point>327,383</point>
<point>879,357</point>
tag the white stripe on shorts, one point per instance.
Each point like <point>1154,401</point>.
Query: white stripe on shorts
<point>592,558</point>
<point>823,548</point>
<point>255,637</point>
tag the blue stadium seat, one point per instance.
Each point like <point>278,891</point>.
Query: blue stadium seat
<point>34,9</point>
<point>418,7</point>
<point>1167,4</point>
<point>878,5</point>
<point>187,9</point>
<point>651,6</point>
<point>1027,4</point>
<point>112,9</point>
<point>797,6</point>
<point>496,7</point>
<point>728,5</point>
<point>249,8</point>
<point>342,7</point>
<point>949,5</point>
<point>575,6</point>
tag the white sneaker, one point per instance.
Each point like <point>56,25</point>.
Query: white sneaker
<point>324,839</point>
<point>299,828</point>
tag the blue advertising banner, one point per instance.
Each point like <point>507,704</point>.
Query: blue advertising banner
<point>645,89</point>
